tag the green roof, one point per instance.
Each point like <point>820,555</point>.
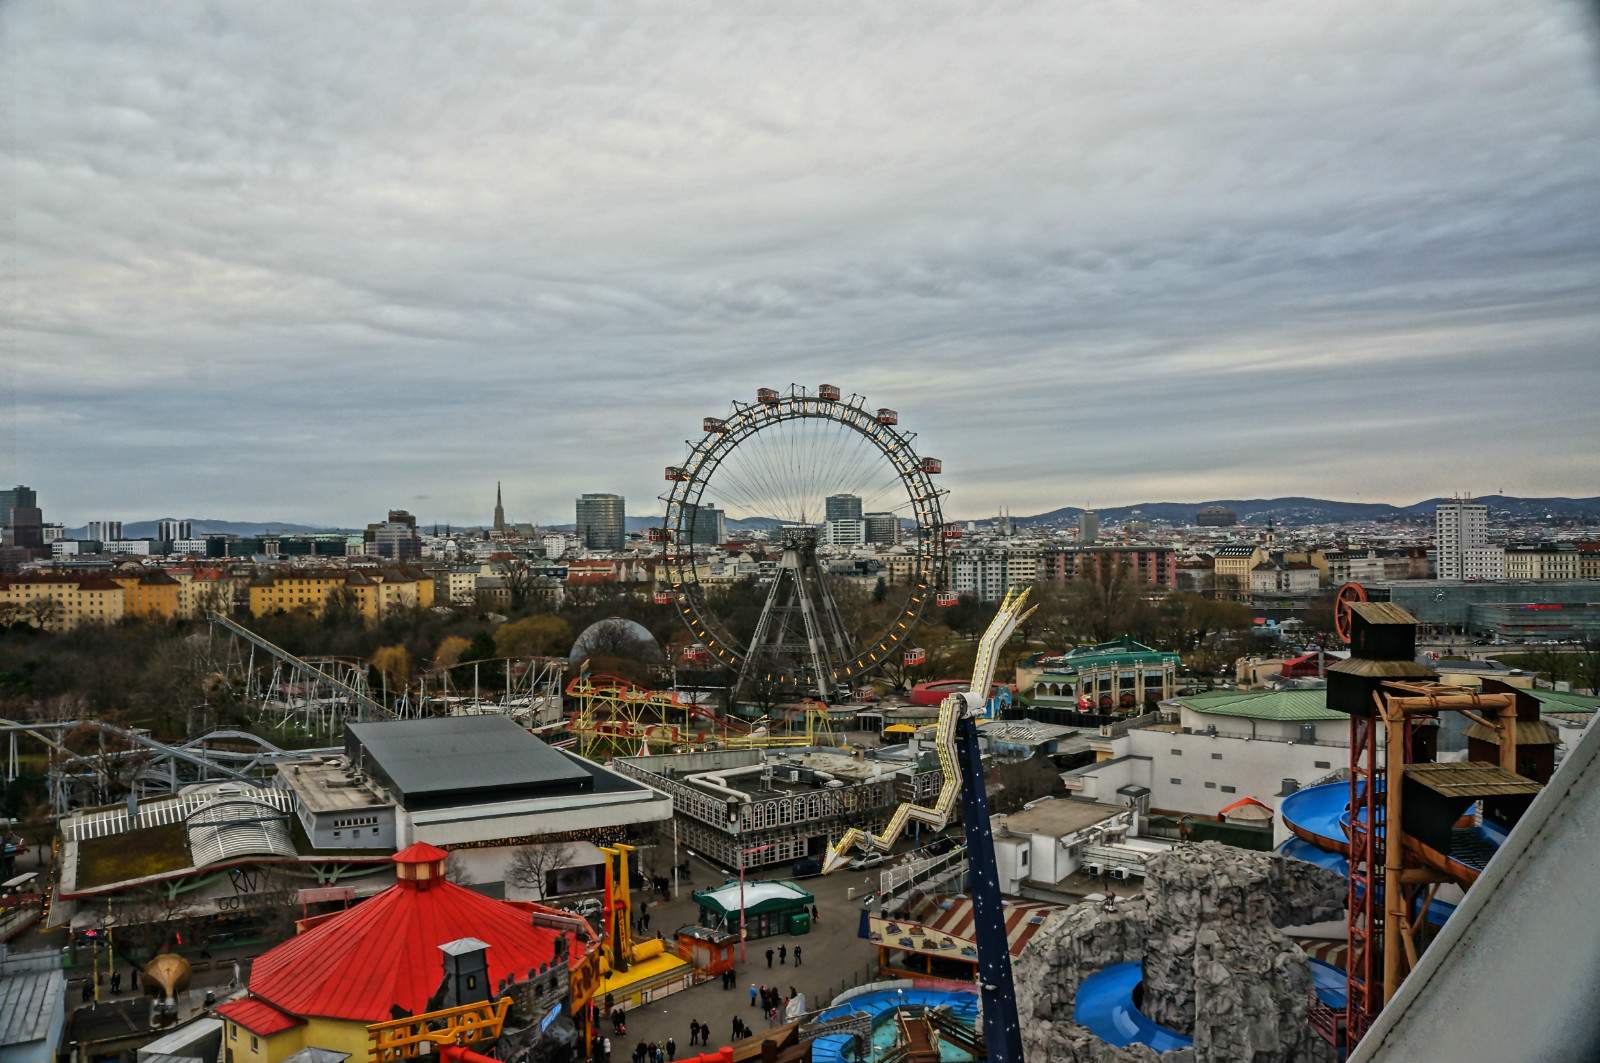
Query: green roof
<point>1288,706</point>
<point>1555,701</point>
<point>1126,652</point>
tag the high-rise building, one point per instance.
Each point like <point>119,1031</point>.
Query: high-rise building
<point>499,510</point>
<point>16,496</point>
<point>173,530</point>
<point>26,527</point>
<point>842,507</point>
<point>105,531</point>
<point>1216,517</point>
<point>845,532</point>
<point>601,522</point>
<point>1088,527</point>
<point>708,525</point>
<point>883,528</point>
<point>396,539</point>
<point>1461,539</point>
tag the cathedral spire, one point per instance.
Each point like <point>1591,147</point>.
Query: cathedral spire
<point>499,510</point>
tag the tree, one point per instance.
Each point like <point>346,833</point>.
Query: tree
<point>10,613</point>
<point>42,612</point>
<point>448,655</point>
<point>395,663</point>
<point>531,865</point>
<point>342,607</point>
<point>455,870</point>
<point>481,648</point>
<point>542,634</point>
<point>1107,601</point>
<point>518,577</point>
<point>1014,785</point>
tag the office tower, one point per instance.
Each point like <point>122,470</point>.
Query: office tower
<point>1461,538</point>
<point>172,530</point>
<point>843,507</point>
<point>16,496</point>
<point>601,524</point>
<point>883,528</point>
<point>395,539</point>
<point>105,531</point>
<point>1088,527</point>
<point>708,525</point>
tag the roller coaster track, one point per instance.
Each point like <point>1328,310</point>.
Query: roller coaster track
<point>369,708</point>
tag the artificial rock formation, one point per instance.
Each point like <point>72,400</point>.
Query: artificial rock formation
<point>1216,966</point>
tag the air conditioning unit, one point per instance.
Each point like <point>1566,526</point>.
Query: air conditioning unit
<point>1094,869</point>
<point>1119,872</point>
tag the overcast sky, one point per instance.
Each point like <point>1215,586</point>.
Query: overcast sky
<point>305,262</point>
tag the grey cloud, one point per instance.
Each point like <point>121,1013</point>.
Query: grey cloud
<point>303,261</point>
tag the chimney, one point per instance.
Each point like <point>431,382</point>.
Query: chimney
<point>466,972</point>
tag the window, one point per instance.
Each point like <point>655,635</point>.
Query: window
<point>1323,764</point>
<point>1024,858</point>
<point>1177,752</point>
<point>1176,782</point>
<point>1230,789</point>
<point>255,1046</point>
<point>233,1031</point>
<point>1216,756</point>
<point>1211,786</point>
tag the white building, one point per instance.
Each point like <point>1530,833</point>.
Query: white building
<point>173,530</point>
<point>988,574</point>
<point>1041,845</point>
<point>1462,542</point>
<point>847,531</point>
<point>104,530</point>
<point>1224,746</point>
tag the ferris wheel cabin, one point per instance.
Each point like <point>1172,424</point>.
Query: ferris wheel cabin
<point>677,472</point>
<point>946,598</point>
<point>828,392</point>
<point>767,395</point>
<point>932,465</point>
<point>888,416</point>
<point>713,424</point>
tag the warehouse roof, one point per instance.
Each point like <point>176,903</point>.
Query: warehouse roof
<point>456,760</point>
<point>1289,706</point>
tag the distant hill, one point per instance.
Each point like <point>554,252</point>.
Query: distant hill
<point>1297,511</point>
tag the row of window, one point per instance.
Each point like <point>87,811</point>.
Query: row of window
<point>1179,753</point>
<point>1209,786</point>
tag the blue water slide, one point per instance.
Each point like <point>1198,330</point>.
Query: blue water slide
<point>1105,1006</point>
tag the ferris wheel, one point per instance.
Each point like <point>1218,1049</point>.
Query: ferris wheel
<point>819,476</point>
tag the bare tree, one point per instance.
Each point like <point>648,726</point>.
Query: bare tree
<point>455,870</point>
<point>518,577</point>
<point>531,865</point>
<point>42,612</point>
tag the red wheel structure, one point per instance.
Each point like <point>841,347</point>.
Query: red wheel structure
<point>1348,595</point>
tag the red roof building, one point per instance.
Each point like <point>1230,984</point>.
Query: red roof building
<point>258,1016</point>
<point>384,952</point>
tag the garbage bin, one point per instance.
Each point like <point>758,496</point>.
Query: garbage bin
<point>800,922</point>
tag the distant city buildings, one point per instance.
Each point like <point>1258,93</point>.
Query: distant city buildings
<point>1461,537</point>
<point>883,529</point>
<point>708,525</point>
<point>173,530</point>
<point>601,522</point>
<point>1216,517</point>
<point>395,539</point>
<point>842,507</point>
<point>104,531</point>
<point>11,498</point>
<point>1088,527</point>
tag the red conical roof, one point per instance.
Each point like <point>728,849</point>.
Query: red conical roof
<point>385,951</point>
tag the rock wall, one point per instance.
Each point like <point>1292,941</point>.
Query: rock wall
<point>1216,966</point>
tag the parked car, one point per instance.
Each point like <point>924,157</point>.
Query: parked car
<point>861,863</point>
<point>589,907</point>
<point>941,845</point>
<point>807,868</point>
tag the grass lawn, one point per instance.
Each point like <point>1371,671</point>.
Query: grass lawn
<point>119,857</point>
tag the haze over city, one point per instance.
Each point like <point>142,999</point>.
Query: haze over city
<point>1094,255</point>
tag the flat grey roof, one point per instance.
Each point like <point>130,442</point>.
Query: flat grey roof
<point>1056,816</point>
<point>456,760</point>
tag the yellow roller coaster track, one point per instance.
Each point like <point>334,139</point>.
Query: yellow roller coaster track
<point>958,705</point>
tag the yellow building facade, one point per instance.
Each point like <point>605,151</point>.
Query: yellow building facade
<point>62,601</point>
<point>369,593</point>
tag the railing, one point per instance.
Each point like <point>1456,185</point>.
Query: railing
<point>1275,738</point>
<point>1118,728</point>
<point>908,874</point>
<point>1108,857</point>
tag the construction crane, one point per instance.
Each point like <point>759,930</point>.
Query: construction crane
<point>962,763</point>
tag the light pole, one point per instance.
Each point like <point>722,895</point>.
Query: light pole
<point>742,932</point>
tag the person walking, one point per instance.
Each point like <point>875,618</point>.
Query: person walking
<point>769,957</point>
<point>647,920</point>
<point>605,1051</point>
<point>752,994</point>
<point>814,917</point>
<point>797,955</point>
<point>694,1032</point>
<point>783,954</point>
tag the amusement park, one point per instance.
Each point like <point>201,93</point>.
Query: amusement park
<point>752,807</point>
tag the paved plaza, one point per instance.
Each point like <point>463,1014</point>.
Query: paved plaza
<point>833,958</point>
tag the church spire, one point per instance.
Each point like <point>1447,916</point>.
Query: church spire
<point>499,510</point>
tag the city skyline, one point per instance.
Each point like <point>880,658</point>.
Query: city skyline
<point>1093,256</point>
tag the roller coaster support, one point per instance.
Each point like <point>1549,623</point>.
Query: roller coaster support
<point>1002,1032</point>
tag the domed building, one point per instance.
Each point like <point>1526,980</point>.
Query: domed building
<point>615,637</point>
<point>388,957</point>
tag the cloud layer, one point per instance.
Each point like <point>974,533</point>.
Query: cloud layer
<point>308,262</point>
